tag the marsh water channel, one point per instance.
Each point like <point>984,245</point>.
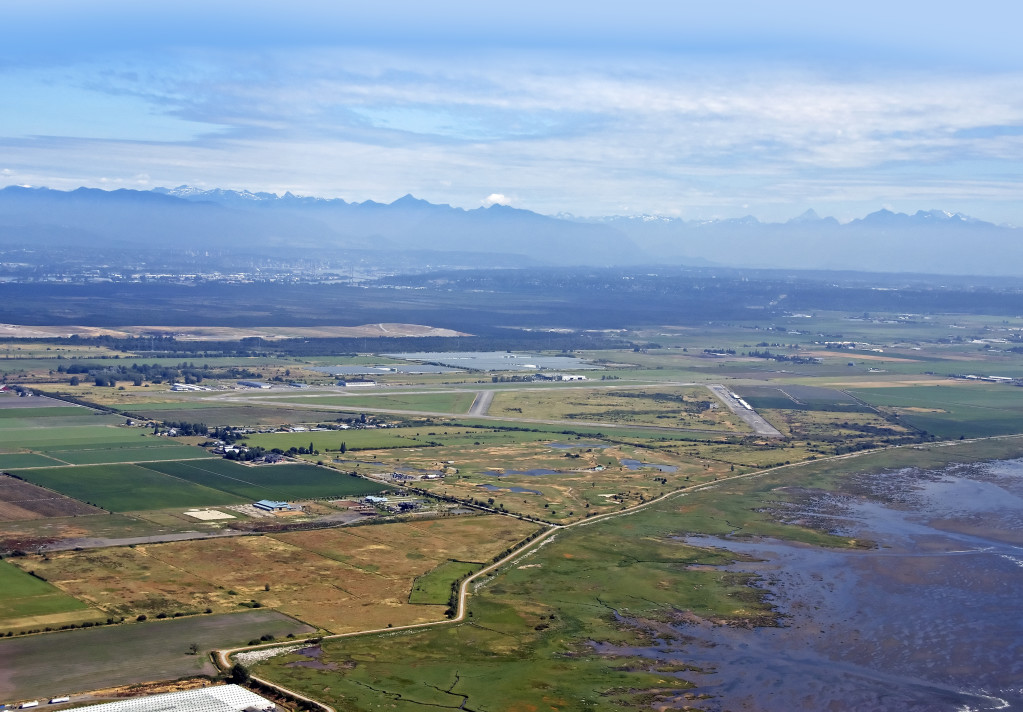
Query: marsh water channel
<point>931,618</point>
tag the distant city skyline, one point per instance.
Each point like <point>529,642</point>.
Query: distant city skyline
<point>657,108</point>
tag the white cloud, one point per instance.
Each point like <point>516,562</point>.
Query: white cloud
<point>495,199</point>
<point>659,134</point>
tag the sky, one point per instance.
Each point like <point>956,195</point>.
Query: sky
<point>689,109</point>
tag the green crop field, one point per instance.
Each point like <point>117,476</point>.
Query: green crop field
<point>23,595</point>
<point>951,411</point>
<point>154,450</point>
<point>55,436</point>
<point>283,481</point>
<point>434,587</point>
<point>109,656</point>
<point>796,397</point>
<point>126,488</point>
<point>48,412</point>
<point>11,460</point>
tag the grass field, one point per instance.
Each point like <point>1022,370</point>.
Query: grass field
<point>126,488</point>
<point>954,410</point>
<point>337,579</point>
<point>8,414</point>
<point>54,435</point>
<point>24,596</point>
<point>796,397</point>
<point>533,638</point>
<point>529,643</point>
<point>428,402</point>
<point>151,451</point>
<point>283,481</point>
<point>109,656</point>
<point>13,460</point>
<point>434,587</point>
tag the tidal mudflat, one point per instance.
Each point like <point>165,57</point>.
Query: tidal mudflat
<point>928,618</point>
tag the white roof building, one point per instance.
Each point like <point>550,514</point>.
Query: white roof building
<point>219,698</point>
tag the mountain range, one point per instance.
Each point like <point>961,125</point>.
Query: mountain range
<point>933,241</point>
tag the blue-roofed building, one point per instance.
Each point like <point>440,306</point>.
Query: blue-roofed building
<point>271,506</point>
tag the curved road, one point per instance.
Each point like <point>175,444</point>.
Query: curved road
<point>223,657</point>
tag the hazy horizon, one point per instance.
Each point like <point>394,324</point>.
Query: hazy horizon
<point>657,108</point>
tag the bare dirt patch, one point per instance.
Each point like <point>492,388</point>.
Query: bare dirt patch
<point>20,500</point>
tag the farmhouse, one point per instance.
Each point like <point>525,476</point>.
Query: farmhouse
<point>219,698</point>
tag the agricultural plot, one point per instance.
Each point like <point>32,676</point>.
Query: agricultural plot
<point>67,437</point>
<point>41,408</point>
<point>953,410</point>
<point>109,656</point>
<point>796,397</point>
<point>12,460</point>
<point>27,602</point>
<point>337,579</point>
<point>158,449</point>
<point>434,587</point>
<point>283,481</point>
<point>21,500</point>
<point>126,488</point>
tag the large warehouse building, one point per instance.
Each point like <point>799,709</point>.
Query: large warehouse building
<point>219,698</point>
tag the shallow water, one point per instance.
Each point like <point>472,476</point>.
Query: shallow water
<point>636,464</point>
<point>931,619</point>
<point>515,490</point>
<point>572,446</point>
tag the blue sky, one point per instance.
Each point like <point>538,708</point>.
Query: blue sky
<point>671,108</point>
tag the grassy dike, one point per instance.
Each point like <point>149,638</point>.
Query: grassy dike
<point>528,643</point>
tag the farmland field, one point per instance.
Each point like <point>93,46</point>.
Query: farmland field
<point>337,579</point>
<point>954,410</point>
<point>282,481</point>
<point>22,500</point>
<point>434,587</point>
<point>125,488</point>
<point>154,451</point>
<point>26,601</point>
<point>110,655</point>
<point>11,460</point>
<point>796,397</point>
<point>53,435</point>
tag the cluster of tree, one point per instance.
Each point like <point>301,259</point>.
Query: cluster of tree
<point>253,453</point>
<point>184,428</point>
<point>138,373</point>
<point>782,357</point>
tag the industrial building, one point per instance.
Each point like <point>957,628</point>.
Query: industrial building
<point>219,698</point>
<point>254,384</point>
<point>271,506</point>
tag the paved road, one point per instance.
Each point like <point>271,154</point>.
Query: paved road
<point>481,405</point>
<point>750,417</point>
